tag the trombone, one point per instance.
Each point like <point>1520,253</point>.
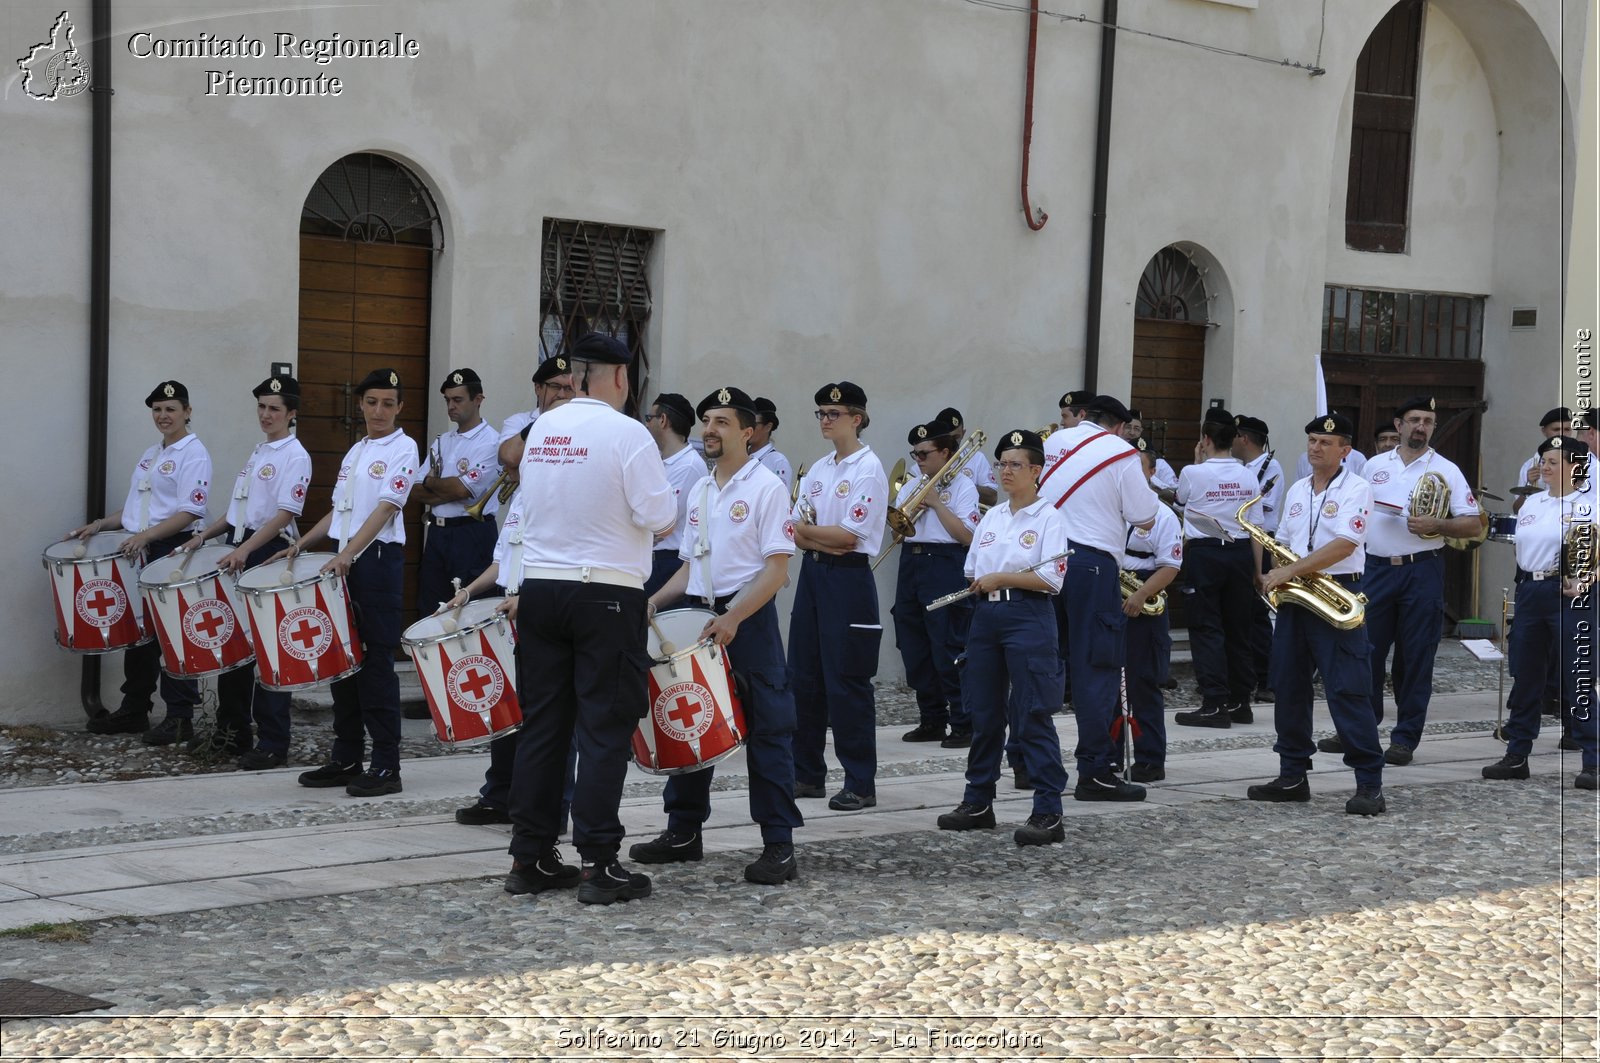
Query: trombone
<point>903,519</point>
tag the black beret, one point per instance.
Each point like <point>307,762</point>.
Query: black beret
<point>1416,402</point>
<point>935,428</point>
<point>551,368</point>
<point>1382,428</point>
<point>767,410</point>
<point>167,389</point>
<point>951,416</point>
<point>1560,413</point>
<point>1018,439</point>
<point>277,385</point>
<point>725,399</point>
<point>1582,421</point>
<point>1218,415</point>
<point>1105,404</point>
<point>379,378</point>
<point>1333,423</point>
<point>671,400</point>
<point>459,379</point>
<point>843,393</point>
<point>1574,448</point>
<point>1141,444</point>
<point>598,347</point>
<point>1074,400</point>
<point>1133,415</point>
<point>1247,423</point>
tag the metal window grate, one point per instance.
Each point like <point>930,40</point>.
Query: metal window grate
<point>1172,288</point>
<point>595,278</point>
<point>372,199</point>
<point>1408,324</point>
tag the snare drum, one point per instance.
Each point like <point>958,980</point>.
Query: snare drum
<point>197,614</point>
<point>97,610</point>
<point>302,622</point>
<point>1503,528</point>
<point>695,717</point>
<point>466,660</point>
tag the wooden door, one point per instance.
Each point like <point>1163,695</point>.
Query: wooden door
<point>1169,359</point>
<point>363,306</point>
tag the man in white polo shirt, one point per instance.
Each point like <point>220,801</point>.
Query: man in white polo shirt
<point>670,421</point>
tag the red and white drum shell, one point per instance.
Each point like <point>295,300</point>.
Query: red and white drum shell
<point>302,621</point>
<point>95,590</point>
<point>695,716</point>
<point>467,661</point>
<point>197,613</point>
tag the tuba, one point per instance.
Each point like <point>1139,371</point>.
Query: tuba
<point>1323,596</point>
<point>1131,583</point>
<point>903,519</point>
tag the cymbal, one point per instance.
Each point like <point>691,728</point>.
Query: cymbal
<point>1524,490</point>
<point>1484,492</point>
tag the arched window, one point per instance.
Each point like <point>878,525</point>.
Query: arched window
<point>1171,289</point>
<point>372,199</point>
<point>1378,195</point>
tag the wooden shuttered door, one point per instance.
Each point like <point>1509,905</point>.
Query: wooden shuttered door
<point>1168,365</point>
<point>1383,118</point>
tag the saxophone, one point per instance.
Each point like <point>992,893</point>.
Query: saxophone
<point>1323,596</point>
<point>1131,583</point>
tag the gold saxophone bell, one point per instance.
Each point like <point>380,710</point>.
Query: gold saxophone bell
<point>1130,585</point>
<point>1318,593</point>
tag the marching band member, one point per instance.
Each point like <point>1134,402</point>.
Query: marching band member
<point>1155,556</point>
<point>1165,479</point>
<point>1220,572</point>
<point>1099,488</point>
<point>977,469</point>
<point>374,483</point>
<point>1355,461</point>
<point>735,557</point>
<point>166,501</point>
<point>1250,447</point>
<point>268,495</point>
<point>552,385</point>
<point>1074,410</point>
<point>1556,422</point>
<point>834,629</point>
<point>930,567</point>
<point>1385,439</point>
<point>669,422</point>
<point>761,446</point>
<point>1555,609</point>
<point>457,546</point>
<point>1012,672</point>
<point>1325,526</point>
<point>1404,581</point>
<point>594,496</point>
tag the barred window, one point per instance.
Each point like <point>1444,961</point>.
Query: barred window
<point>1383,120</point>
<point>595,278</point>
<point>1413,324</point>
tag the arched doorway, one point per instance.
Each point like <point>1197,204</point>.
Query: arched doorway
<point>1169,353</point>
<point>369,233</point>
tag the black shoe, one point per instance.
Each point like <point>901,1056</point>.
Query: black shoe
<point>809,789</point>
<point>924,732</point>
<point>1106,787</point>
<point>1170,684</point>
<point>1240,713</point>
<point>1147,773</point>
<point>1264,694</point>
<point>416,712</point>
<point>480,814</point>
<point>374,783</point>
<point>1507,767</point>
<point>1330,745</point>
<point>169,732</point>
<point>545,873</point>
<point>958,740</point>
<point>847,801</point>
<point>774,867</point>
<point>330,775</point>
<point>669,847</point>
<point>1587,779</point>
<point>1020,779</point>
<point>1368,801</point>
<point>1283,788</point>
<point>1551,707</point>
<point>260,760</point>
<point>967,817</point>
<point>610,883</point>
<point>1397,755</point>
<point>1568,743</point>
<point>121,722</point>
<point>1041,830</point>
<point>1216,716</point>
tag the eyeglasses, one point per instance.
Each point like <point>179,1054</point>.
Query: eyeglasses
<point>920,454</point>
<point>1013,466</point>
<point>826,416</point>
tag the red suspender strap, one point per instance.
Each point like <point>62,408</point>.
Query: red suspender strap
<point>1086,477</point>
<point>1067,454</point>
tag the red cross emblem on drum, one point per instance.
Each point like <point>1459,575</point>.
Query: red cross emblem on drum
<point>305,633</point>
<point>208,623</point>
<point>684,711</point>
<point>476,683</point>
<point>100,602</point>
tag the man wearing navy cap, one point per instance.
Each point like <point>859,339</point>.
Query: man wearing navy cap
<point>552,385</point>
<point>1250,447</point>
<point>670,420</point>
<point>762,448</point>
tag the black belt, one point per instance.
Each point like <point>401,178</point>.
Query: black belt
<point>453,522</point>
<point>1085,548</point>
<point>850,560</point>
<point>1524,576</point>
<point>1140,556</point>
<point>937,549</point>
<point>1007,594</point>
<point>1213,541</point>
<point>1347,579</point>
<point>1402,559</point>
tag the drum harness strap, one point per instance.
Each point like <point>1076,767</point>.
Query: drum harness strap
<point>241,494</point>
<point>346,504</point>
<point>702,544</point>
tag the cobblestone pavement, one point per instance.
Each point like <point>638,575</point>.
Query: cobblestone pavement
<point>1223,929</point>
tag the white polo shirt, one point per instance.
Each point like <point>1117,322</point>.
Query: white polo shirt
<point>1163,543</point>
<point>962,498</point>
<point>1542,526</point>
<point>1163,476</point>
<point>1008,542</point>
<point>1097,483</point>
<point>979,472</point>
<point>776,462</point>
<point>733,529</point>
<point>168,480</point>
<point>508,545</point>
<point>1269,511</point>
<point>374,471</point>
<point>514,424</point>
<point>1341,511</point>
<point>684,469</point>
<point>1216,487</point>
<point>852,493</point>
<point>275,478</point>
<point>1393,482</point>
<point>474,457</point>
<point>594,491</point>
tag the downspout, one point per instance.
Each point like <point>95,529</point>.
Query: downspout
<point>1097,223</point>
<point>100,93</point>
<point>1034,218</point>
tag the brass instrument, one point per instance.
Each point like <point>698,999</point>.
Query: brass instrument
<point>1430,498</point>
<point>1044,433</point>
<point>1318,593</point>
<point>897,479</point>
<point>903,519</point>
<point>1578,545</point>
<point>794,488</point>
<point>1131,583</point>
<point>503,487</point>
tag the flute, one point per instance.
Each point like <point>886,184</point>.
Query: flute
<point>967,592</point>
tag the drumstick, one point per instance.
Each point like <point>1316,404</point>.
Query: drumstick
<point>452,623</point>
<point>288,572</point>
<point>667,648</point>
<point>183,564</point>
<point>79,551</point>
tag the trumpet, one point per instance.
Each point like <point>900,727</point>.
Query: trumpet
<point>794,488</point>
<point>967,592</point>
<point>1318,593</point>
<point>1130,585</point>
<point>503,488</point>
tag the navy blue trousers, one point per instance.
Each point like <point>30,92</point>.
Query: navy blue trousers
<point>1011,678</point>
<point>1094,609</point>
<point>1058,605</point>
<point>1405,610</point>
<point>1303,642</point>
<point>141,665</point>
<point>461,551</point>
<point>834,633</point>
<point>756,654</point>
<point>1149,656</point>
<point>367,704</point>
<point>242,701</point>
<point>1545,620</point>
<point>929,643</point>
<point>1261,628</point>
<point>1223,578</point>
<point>582,651</point>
